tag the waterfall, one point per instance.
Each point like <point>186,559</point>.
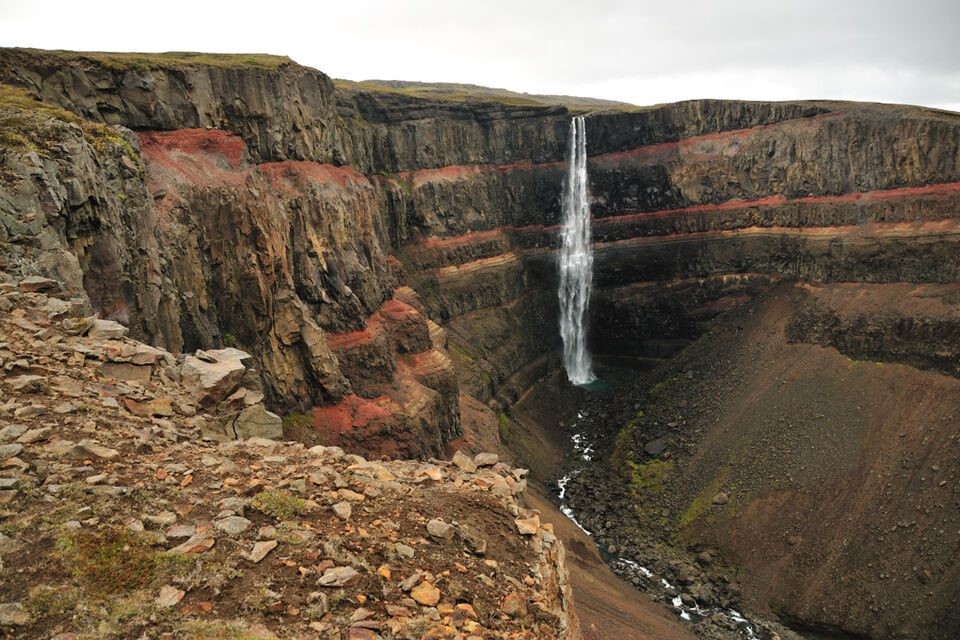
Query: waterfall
<point>576,260</point>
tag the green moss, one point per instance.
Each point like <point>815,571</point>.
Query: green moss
<point>503,426</point>
<point>109,561</point>
<point>15,140</point>
<point>650,476</point>
<point>23,132</point>
<point>463,353</point>
<point>406,185</point>
<point>279,504</point>
<point>220,630</point>
<point>23,100</point>
<point>704,500</point>
<point>166,60</point>
<point>52,601</point>
<point>299,427</point>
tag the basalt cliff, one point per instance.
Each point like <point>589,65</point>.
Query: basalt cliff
<point>386,258</point>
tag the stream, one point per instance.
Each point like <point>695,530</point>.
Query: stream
<point>630,570</point>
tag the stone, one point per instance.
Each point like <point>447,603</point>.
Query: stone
<point>158,407</point>
<point>10,450</point>
<point>28,384</point>
<point>528,526</point>
<point>169,596</point>
<point>439,529</point>
<point>352,496</point>
<point>162,519</point>
<point>36,284</point>
<point>126,371</point>
<point>704,558</point>
<point>182,531</point>
<point>425,594</point>
<point>404,550</point>
<point>197,543</point>
<point>339,577</point>
<point>233,525</point>
<point>515,604</point>
<point>721,498</point>
<point>486,459</point>
<point>90,449</point>
<point>12,432</point>
<point>656,447</point>
<point>472,540</point>
<point>464,462</point>
<point>256,422</point>
<point>12,614</point>
<point>213,375</point>
<point>34,435</point>
<point>343,510</point>
<point>106,329</point>
<point>261,549</point>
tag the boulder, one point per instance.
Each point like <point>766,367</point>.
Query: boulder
<point>107,329</point>
<point>213,375</point>
<point>257,422</point>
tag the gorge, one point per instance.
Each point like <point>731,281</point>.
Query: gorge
<point>775,292</point>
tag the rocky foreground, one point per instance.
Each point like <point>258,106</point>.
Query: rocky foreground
<point>123,515</point>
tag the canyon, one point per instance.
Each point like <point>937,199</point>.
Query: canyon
<point>776,299</point>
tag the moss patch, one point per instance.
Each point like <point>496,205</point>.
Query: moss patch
<point>167,60</point>
<point>109,561</point>
<point>279,504</point>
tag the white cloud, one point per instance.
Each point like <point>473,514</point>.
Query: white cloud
<point>644,52</point>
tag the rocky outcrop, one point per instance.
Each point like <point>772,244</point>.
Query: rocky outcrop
<point>205,533</point>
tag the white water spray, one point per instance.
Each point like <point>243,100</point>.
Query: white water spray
<point>576,260</point>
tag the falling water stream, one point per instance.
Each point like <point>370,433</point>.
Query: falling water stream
<point>576,260</point>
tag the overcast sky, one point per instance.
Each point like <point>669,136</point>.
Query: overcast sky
<point>641,52</point>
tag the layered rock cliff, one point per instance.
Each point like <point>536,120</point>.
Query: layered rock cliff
<point>387,258</point>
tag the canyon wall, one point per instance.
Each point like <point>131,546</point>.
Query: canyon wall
<point>385,256</point>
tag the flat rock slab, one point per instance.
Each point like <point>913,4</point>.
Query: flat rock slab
<point>169,596</point>
<point>126,371</point>
<point>528,526</point>
<point>426,594</point>
<point>196,544</point>
<point>261,549</point>
<point>339,577</point>
<point>464,461</point>
<point>439,529</point>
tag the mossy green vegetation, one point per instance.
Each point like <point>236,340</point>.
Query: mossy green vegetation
<point>463,93</point>
<point>279,504</point>
<point>462,352</point>
<point>406,185</point>
<point>166,60</point>
<point>109,561</point>
<point>23,125</point>
<point>700,505</point>
<point>220,630</point>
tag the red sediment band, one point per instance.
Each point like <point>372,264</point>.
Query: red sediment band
<point>299,172</point>
<point>351,412</point>
<point>661,151</point>
<point>195,142</point>
<point>870,230</point>
<point>933,192</point>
